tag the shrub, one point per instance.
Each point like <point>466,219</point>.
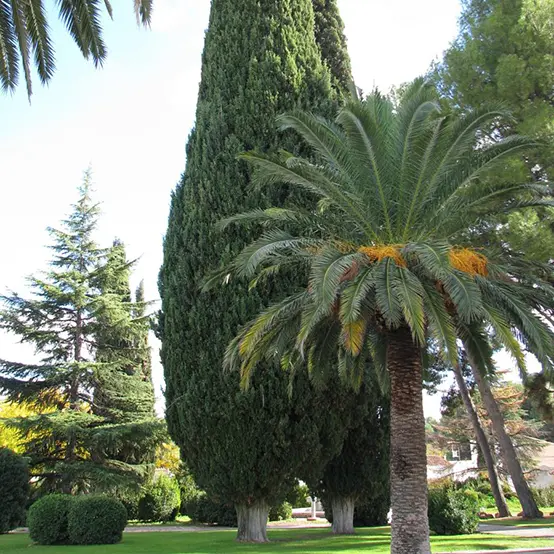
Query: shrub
<point>453,512</point>
<point>282,512</point>
<point>161,500</point>
<point>14,489</point>
<point>544,497</point>
<point>298,497</point>
<point>203,509</point>
<point>96,520</point>
<point>48,519</point>
<point>188,488</point>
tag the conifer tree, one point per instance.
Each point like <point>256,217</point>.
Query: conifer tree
<point>246,448</point>
<point>71,448</point>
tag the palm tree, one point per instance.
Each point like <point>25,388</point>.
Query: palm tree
<point>25,34</point>
<point>393,185</point>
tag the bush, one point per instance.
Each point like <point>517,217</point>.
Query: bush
<point>282,512</point>
<point>453,512</point>
<point>161,500</point>
<point>14,489</point>
<point>298,497</point>
<point>203,509</point>
<point>96,520</point>
<point>544,497</point>
<point>48,519</point>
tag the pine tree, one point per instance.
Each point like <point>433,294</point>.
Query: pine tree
<point>260,58</point>
<point>71,447</point>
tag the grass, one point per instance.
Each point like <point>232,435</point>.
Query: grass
<point>523,523</point>
<point>308,541</point>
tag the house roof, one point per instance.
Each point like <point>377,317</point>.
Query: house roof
<point>437,461</point>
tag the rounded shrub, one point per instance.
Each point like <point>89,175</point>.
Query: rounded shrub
<point>161,501</point>
<point>281,512</point>
<point>203,509</point>
<point>96,520</point>
<point>14,489</point>
<point>48,519</point>
<point>453,512</point>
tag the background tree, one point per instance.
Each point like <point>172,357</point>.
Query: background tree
<point>247,448</point>
<point>383,273</point>
<point>25,35</point>
<point>357,480</point>
<point>72,448</point>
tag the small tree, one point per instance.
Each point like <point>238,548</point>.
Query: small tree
<point>14,489</point>
<point>73,444</point>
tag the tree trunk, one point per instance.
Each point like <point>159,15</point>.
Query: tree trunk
<point>484,445</point>
<point>507,450</point>
<point>410,524</point>
<point>252,521</point>
<point>343,515</point>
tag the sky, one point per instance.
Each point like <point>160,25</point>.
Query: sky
<point>130,121</point>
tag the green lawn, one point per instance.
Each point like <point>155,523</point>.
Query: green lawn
<point>520,522</point>
<point>308,541</point>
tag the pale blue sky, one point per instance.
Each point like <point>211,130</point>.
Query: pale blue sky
<point>131,120</point>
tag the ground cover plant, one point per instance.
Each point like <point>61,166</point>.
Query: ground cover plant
<point>373,541</point>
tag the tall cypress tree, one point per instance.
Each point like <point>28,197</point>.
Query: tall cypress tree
<point>71,447</point>
<point>260,59</point>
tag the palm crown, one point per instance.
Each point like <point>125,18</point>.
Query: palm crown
<point>396,189</point>
<point>25,33</point>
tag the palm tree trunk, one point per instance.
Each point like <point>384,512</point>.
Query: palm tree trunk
<point>252,521</point>
<point>507,450</point>
<point>343,515</point>
<point>408,468</point>
<point>484,445</point>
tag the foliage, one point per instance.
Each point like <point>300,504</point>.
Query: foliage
<point>523,431</point>
<point>25,36</point>
<point>161,500</point>
<point>96,520</point>
<point>453,511</point>
<point>299,496</point>
<point>203,509</point>
<point>48,519</point>
<point>240,446</point>
<point>544,496</point>
<point>14,489</point>
<point>281,512</point>
<point>83,431</point>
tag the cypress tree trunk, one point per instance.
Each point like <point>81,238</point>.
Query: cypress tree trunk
<point>410,525</point>
<point>252,521</point>
<point>484,445</point>
<point>343,515</point>
<point>507,450</point>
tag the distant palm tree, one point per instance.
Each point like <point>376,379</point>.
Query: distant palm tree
<point>25,34</point>
<point>395,185</point>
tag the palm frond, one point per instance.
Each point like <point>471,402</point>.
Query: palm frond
<point>143,11</point>
<point>39,34</point>
<point>23,39</point>
<point>9,57</point>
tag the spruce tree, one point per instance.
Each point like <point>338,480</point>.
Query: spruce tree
<point>260,59</point>
<point>123,387</point>
<point>71,448</point>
